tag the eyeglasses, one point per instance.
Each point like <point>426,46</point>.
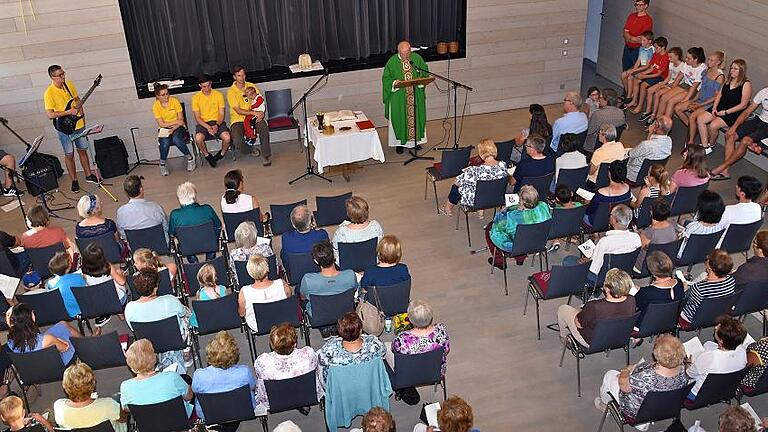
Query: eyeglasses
<point>164,94</point>
<point>59,75</point>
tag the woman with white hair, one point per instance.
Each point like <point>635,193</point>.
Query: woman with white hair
<point>192,213</point>
<point>93,223</point>
<point>247,245</point>
<point>262,290</point>
<point>500,234</point>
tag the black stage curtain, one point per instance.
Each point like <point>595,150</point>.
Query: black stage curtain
<point>176,38</point>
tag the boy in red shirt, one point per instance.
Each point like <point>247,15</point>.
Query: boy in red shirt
<point>656,72</point>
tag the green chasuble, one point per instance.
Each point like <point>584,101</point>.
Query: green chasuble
<point>405,107</point>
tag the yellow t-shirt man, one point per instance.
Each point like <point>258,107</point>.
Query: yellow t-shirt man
<point>56,99</point>
<point>236,98</point>
<point>169,114</point>
<point>208,106</point>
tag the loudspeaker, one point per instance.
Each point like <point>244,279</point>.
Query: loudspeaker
<point>43,175</point>
<point>111,156</point>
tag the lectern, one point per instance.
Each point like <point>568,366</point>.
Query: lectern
<point>414,83</point>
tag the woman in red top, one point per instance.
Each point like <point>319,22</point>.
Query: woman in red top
<point>637,23</point>
<point>41,234</point>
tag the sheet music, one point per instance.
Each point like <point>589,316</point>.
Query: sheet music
<point>8,285</point>
<point>693,347</point>
<point>587,195</point>
<point>431,413</point>
<point>511,200</point>
<point>587,248</point>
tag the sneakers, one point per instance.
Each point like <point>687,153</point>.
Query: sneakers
<point>102,320</point>
<point>644,116</point>
<point>12,192</point>
<point>163,170</point>
<point>92,179</point>
<point>267,161</point>
<point>218,156</point>
<point>553,248</point>
<point>211,160</point>
<point>191,164</point>
<point>649,121</point>
<point>75,186</point>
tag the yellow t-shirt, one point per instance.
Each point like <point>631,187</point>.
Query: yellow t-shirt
<point>208,106</point>
<point>236,98</point>
<point>56,99</point>
<point>168,114</point>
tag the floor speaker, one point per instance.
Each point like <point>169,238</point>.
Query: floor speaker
<point>111,156</point>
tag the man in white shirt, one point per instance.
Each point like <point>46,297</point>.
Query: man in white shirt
<point>725,355</point>
<point>573,121</point>
<point>748,132</point>
<point>139,213</point>
<point>746,211</point>
<point>658,146</point>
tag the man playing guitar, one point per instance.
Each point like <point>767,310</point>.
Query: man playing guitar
<point>55,98</point>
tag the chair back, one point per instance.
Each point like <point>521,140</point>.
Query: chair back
<point>165,288</point>
<point>105,426</point>
<point>531,238</point>
<point>452,162</point>
<point>490,194</point>
<point>274,313</point>
<point>3,309</point>
<point>414,370</point>
<point>573,177</point>
<point>97,300</point>
<point>281,216</point>
<point>753,298</point>
<point>100,352</point>
<point>662,405</point>
<point>625,261</point>
<point>292,393</point>
<point>611,333</point>
<point>331,210</point>
<point>738,237</point>
<point>643,219</point>
<point>327,309</point>
<point>279,103</point>
<point>717,387</point>
<point>602,179</point>
<point>112,250</point>
<point>581,138</point>
<point>197,239</point>
<point>48,306</point>
<point>645,167</point>
<point>686,198</point>
<point>601,218</point>
<point>233,220</point>
<point>540,183</point>
<point>297,265</point>
<point>566,222</point>
<point>6,268</point>
<point>620,130</point>
<point>38,367</point>
<point>358,256</point>
<point>152,238</point>
<point>241,271</point>
<point>566,280</point>
<point>711,308</point>
<point>190,274</point>
<point>225,407</point>
<point>164,334</point>
<point>504,151</point>
<point>394,298</point>
<point>40,257</point>
<point>698,247</point>
<point>216,314</point>
<point>670,249</point>
<point>761,386</point>
<point>659,318</point>
<point>170,415</point>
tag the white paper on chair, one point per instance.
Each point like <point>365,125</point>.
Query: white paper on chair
<point>431,412</point>
<point>511,200</point>
<point>163,132</point>
<point>8,285</point>
<point>587,248</point>
<point>263,241</point>
<point>693,347</point>
<point>587,195</point>
<point>753,414</point>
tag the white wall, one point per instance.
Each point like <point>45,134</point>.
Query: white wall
<point>592,36</point>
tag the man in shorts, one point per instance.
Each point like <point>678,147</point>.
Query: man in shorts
<point>208,106</point>
<point>744,132</point>
<point>9,162</point>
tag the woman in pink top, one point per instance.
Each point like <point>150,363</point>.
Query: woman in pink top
<point>693,172</point>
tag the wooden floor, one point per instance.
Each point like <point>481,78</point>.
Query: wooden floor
<point>511,379</point>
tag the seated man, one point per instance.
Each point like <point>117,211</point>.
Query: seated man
<point>537,165</point>
<point>303,235</point>
<point>609,150</point>
<point>329,280</point>
<point>658,146</point>
<point>573,119</point>
<point>9,162</point>
<point>747,210</point>
<point>724,355</point>
<point>208,107</point>
<point>139,213</point>
<point>609,113</point>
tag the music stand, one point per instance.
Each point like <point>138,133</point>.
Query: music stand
<point>404,85</point>
<point>32,149</point>
<point>139,160</point>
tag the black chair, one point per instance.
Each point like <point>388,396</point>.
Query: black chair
<point>581,138</point>
<point>233,220</point>
<point>297,265</point>
<point>716,388</point>
<point>659,318</point>
<point>738,237</point>
<point>100,352</point>
<point>609,334</point>
<point>166,286</point>
<point>197,239</point>
<point>215,315</point>
<point>574,178</point>
<point>358,256</point>
<point>152,238</point>
<point>416,370</point>
<point>656,406</point>
<point>624,261</point>
<point>601,218</point>
<point>48,306</point>
<point>281,216</point>
<point>164,334</point>
<point>504,151</point>
<point>190,274</point>
<point>753,298</point>
<point>279,117</point>
<point>643,214</point>
<point>241,271</point>
<point>686,198</point>
<point>540,183</point>
<point>670,249</point>
<point>645,167</point>
<point>620,131</point>
<point>529,239</point>
<point>327,309</point>
<point>170,415</point>
<point>6,267</point>
<point>331,210</point>
<point>292,393</point>
<point>566,223</point>
<point>489,194</point>
<point>761,387</point>
<point>105,426</point>
<point>708,311</point>
<point>452,162</point>
<point>4,306</point>
<point>227,407</point>
<point>561,281</point>
<point>40,257</point>
<point>36,367</point>
<point>110,246</point>
<point>274,313</point>
<point>602,179</point>
<point>394,298</point>
<point>697,248</point>
<point>97,300</point>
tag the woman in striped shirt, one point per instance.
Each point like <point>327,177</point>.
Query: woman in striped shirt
<point>718,283</point>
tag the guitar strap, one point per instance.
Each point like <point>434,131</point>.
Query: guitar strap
<point>67,89</point>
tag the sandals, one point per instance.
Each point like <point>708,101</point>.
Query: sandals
<point>443,211</point>
<point>719,177</point>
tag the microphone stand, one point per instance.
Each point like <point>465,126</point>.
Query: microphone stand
<point>303,102</point>
<point>455,85</point>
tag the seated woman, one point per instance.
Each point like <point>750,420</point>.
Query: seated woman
<point>630,385</point>
<point>285,361</point>
<point>663,286</point>
<point>234,200</point>
<point>93,223</point>
<point>329,280</point>
<point>389,270</point>
<point>209,289</point>
<point>684,87</point>
<point>96,270</point>
<point>223,374</point>
<point>571,157</point>
<point>455,415</point>
<point>147,258</point>
<point>616,192</point>
<point>757,356</point>
<point>501,232</point>
<point>41,234</point>
<point>657,184</point>
<point>247,245</point>
<point>170,116</point>
<point>350,346</point>
<point>262,290</point>
<point>712,79</point>
<point>463,190</point>
<point>79,409</point>
<point>151,307</point>
<point>25,336</point>
<point>693,172</point>
<point>190,213</point>
<point>539,125</point>
<point>718,283</point>
<point>709,212</point>
<point>358,227</point>
<point>755,269</point>
<point>150,386</point>
<point>725,355</point>
<point>661,231</point>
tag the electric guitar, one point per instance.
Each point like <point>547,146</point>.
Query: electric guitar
<point>66,124</point>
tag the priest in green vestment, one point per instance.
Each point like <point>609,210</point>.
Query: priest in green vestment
<point>405,108</point>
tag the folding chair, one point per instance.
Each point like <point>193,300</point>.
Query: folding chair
<point>581,137</point>
<point>358,256</point>
<point>416,370</point>
<point>215,315</point>
<point>609,334</point>
<point>669,249</point>
<point>100,352</point>
<point>708,311</point>
<point>40,257</point>
<point>601,218</point>
<point>659,318</point>
<point>166,286</point>
<point>95,301</point>
<point>242,276</point>
<point>529,239</point>
<point>274,313</point>
<point>643,219</point>
<point>761,387</point>
<point>451,164</point>
<point>717,388</point>
<point>566,223</point>
<point>696,249</point>
<point>279,118</point>
<point>331,210</point>
<point>489,194</point>
<point>656,406</point>
<point>6,268</point>
<point>620,131</point>
<point>48,307</point>
<point>197,239</point>
<point>4,306</point>
<point>152,238</point>
<point>36,367</point>
<point>625,261</point>
<point>327,309</point>
<point>170,415</point>
<point>753,298</point>
<point>602,179</point>
<point>189,270</point>
<point>738,237</point>
<point>105,426</point>
<point>645,167</point>
<point>112,250</point>
<point>686,198</point>
<point>281,216</point>
<point>540,183</point>
<point>297,265</point>
<point>394,298</point>
<point>164,334</point>
<point>561,281</point>
<point>504,151</point>
<point>233,220</point>
<point>574,178</point>
<point>289,394</point>
<point>227,407</point>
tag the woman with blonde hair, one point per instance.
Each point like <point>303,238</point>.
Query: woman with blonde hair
<point>262,290</point>
<point>712,79</point>
<point>147,258</point>
<point>463,190</point>
<point>358,227</point>
<point>80,409</point>
<point>389,270</point>
<point>657,184</point>
<point>210,288</point>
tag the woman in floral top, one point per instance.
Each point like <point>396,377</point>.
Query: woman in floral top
<point>501,232</point>
<point>463,191</point>
<point>425,336</point>
<point>350,346</point>
<point>757,356</point>
<point>246,242</point>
